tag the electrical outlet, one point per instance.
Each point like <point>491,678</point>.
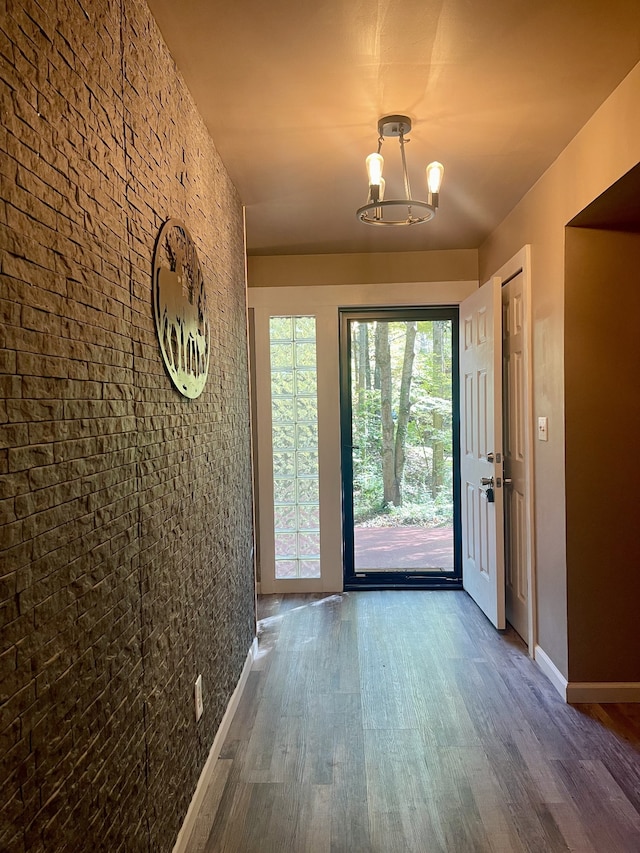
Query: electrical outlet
<point>198,697</point>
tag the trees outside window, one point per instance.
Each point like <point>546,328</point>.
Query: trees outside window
<point>401,374</point>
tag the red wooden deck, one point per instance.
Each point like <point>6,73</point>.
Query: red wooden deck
<point>403,548</point>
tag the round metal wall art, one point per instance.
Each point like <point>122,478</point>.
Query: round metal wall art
<point>180,309</point>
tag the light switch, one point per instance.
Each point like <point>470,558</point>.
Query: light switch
<point>543,429</point>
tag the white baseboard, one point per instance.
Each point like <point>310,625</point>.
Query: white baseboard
<point>207,771</point>
<point>603,691</point>
<point>551,671</point>
<point>586,691</point>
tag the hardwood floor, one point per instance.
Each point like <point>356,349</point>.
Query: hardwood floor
<point>399,721</point>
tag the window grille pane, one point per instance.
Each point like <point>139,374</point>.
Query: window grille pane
<point>309,568</point>
<point>281,328</point>
<point>306,464</point>
<point>307,490</point>
<point>306,409</point>
<point>285,518</point>
<point>307,436</point>
<point>281,355</point>
<point>308,517</point>
<point>282,383</point>
<point>288,569</point>
<point>284,436</point>
<point>284,464</point>
<point>305,355</point>
<point>284,490</point>
<point>309,544</point>
<point>294,416</point>
<point>306,382</point>
<point>286,546</point>
<point>306,328</point>
<point>283,410</point>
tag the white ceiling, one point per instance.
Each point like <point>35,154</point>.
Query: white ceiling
<point>291,91</point>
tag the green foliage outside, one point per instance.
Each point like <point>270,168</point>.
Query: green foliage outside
<point>412,430</point>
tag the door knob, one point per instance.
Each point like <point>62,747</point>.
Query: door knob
<point>487,481</point>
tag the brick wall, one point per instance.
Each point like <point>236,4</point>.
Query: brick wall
<point>125,509</point>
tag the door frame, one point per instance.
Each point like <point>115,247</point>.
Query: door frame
<point>324,302</point>
<point>395,579</point>
<point>521,263</point>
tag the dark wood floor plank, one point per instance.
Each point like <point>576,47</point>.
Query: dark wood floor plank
<point>211,804</point>
<point>349,806</point>
<point>573,829</point>
<point>536,828</point>
<point>456,807</point>
<point>490,803</point>
<point>393,721</point>
<point>346,661</point>
<point>299,819</point>
<point>613,823</point>
<point>245,715</point>
<point>229,824</point>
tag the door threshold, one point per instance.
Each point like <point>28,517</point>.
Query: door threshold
<point>417,583</point>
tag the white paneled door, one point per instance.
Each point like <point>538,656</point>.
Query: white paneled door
<point>481,451</point>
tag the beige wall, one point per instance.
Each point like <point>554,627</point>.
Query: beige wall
<point>605,149</point>
<point>602,411</point>
<point>373,268</point>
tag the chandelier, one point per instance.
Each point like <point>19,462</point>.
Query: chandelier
<point>398,211</point>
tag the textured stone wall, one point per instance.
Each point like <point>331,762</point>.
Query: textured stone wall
<point>125,509</point>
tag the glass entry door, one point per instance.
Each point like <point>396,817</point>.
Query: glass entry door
<point>400,425</point>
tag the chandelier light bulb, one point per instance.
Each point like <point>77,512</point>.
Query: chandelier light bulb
<point>374,162</point>
<point>435,171</point>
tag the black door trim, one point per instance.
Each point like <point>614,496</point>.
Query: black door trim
<point>395,580</point>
